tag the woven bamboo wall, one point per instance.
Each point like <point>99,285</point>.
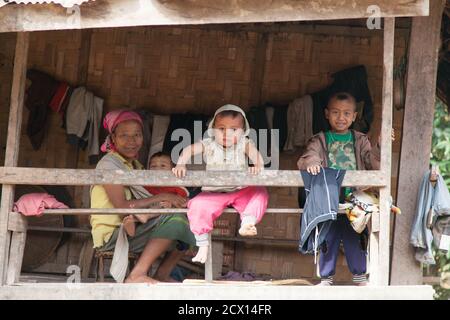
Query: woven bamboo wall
<point>168,70</point>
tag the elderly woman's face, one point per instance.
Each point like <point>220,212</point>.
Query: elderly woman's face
<point>127,138</point>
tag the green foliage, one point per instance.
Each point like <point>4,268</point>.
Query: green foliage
<point>440,149</point>
<point>441,157</point>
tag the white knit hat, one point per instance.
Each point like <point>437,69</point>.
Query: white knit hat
<point>229,107</point>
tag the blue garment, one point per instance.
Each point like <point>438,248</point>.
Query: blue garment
<point>355,253</point>
<point>429,197</point>
<point>321,207</point>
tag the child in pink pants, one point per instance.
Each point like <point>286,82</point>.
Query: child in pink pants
<point>227,149</point>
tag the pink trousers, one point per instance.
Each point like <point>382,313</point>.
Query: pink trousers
<point>208,206</point>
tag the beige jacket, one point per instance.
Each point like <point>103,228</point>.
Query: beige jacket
<point>367,158</point>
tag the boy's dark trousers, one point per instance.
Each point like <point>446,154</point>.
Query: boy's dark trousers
<point>355,254</point>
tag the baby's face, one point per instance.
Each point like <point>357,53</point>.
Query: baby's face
<point>228,130</point>
<point>160,163</point>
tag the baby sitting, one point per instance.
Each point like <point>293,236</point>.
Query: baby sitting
<point>158,161</point>
<point>226,149</point>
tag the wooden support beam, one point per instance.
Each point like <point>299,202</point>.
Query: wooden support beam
<point>82,77</point>
<point>17,222</point>
<point>416,138</point>
<point>107,211</point>
<point>16,251</point>
<point>12,145</point>
<point>209,277</point>
<point>110,13</point>
<point>289,27</point>
<point>81,177</point>
<point>380,236</point>
<point>386,151</point>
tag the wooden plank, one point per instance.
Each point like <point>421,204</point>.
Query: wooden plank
<point>54,229</point>
<point>80,177</point>
<point>416,138</point>
<point>315,29</point>
<point>209,275</point>
<point>374,258</point>
<point>18,240</point>
<point>260,241</point>
<point>375,222</point>
<point>181,291</point>
<point>17,222</point>
<point>52,267</point>
<point>386,151</point>
<point>12,143</point>
<point>84,211</point>
<point>110,13</point>
<point>82,77</point>
<point>217,258</point>
<point>86,257</point>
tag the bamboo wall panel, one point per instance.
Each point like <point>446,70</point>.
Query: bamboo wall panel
<point>196,69</point>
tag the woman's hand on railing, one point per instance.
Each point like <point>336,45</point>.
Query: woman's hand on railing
<point>173,199</point>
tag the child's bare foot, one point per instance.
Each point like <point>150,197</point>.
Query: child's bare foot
<point>202,255</point>
<point>248,230</point>
<point>140,279</point>
<point>129,224</point>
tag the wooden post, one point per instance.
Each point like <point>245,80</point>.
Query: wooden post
<point>12,148</point>
<point>386,151</point>
<point>16,251</point>
<point>379,236</point>
<point>416,138</point>
<point>209,261</point>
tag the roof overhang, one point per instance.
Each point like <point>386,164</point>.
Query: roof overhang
<point>120,13</point>
<point>64,3</point>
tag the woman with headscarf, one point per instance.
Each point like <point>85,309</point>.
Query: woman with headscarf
<point>158,233</point>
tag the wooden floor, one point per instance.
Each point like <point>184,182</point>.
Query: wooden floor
<point>198,290</point>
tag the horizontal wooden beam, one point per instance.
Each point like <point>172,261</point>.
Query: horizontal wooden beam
<point>96,211</point>
<point>83,177</point>
<point>316,28</point>
<point>259,241</point>
<point>61,229</point>
<point>111,13</point>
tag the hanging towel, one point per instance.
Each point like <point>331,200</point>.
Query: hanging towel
<point>83,119</point>
<point>299,123</point>
<point>34,204</point>
<point>434,200</point>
